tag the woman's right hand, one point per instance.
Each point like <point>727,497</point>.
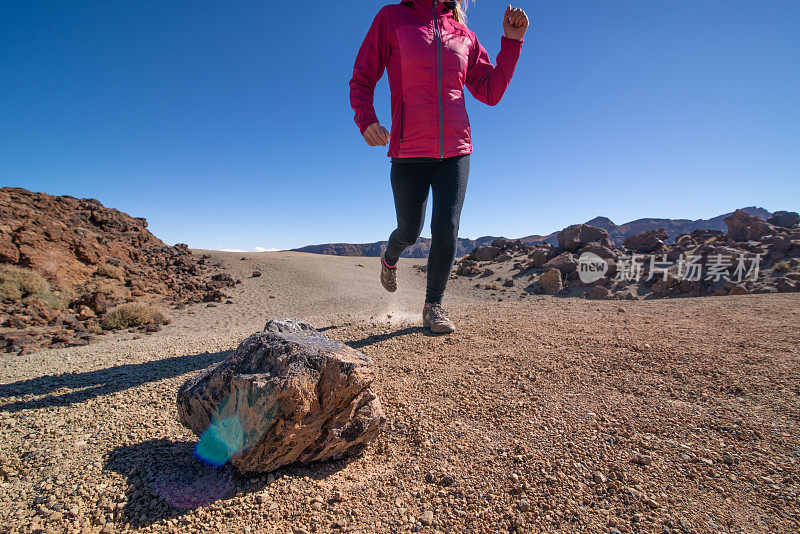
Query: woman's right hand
<point>375,135</point>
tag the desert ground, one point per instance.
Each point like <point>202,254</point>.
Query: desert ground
<point>539,414</point>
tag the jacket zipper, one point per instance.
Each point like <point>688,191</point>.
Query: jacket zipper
<point>439,79</point>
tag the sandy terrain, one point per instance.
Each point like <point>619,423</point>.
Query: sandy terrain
<point>539,414</point>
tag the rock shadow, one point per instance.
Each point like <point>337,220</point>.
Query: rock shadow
<point>166,480</point>
<point>91,384</point>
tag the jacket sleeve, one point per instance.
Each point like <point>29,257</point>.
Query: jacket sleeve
<point>486,82</point>
<point>368,69</point>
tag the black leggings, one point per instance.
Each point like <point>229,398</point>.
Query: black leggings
<point>410,184</point>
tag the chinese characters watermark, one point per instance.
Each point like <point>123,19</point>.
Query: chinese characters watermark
<point>717,267</point>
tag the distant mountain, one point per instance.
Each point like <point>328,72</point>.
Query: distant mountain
<point>420,249</point>
<point>618,234</point>
<point>602,222</point>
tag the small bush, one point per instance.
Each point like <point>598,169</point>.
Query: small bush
<point>20,284</point>
<point>132,314</point>
<point>110,271</point>
<point>782,266</point>
<point>17,282</point>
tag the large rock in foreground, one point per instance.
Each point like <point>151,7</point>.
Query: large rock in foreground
<point>287,394</point>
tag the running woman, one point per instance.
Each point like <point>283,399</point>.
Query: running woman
<point>430,55</point>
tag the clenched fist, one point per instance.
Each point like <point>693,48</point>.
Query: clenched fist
<point>375,134</point>
<point>515,22</point>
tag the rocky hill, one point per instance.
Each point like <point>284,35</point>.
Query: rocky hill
<point>67,263</point>
<point>617,233</point>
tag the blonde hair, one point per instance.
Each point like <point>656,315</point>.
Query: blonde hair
<point>460,12</point>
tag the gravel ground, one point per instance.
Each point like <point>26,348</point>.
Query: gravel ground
<point>539,414</point>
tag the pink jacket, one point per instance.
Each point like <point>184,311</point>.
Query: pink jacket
<point>429,58</point>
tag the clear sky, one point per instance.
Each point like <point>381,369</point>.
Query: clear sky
<point>228,124</point>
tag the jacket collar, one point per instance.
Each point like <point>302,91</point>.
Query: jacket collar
<point>423,4</point>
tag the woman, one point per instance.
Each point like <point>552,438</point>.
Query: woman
<point>430,55</point>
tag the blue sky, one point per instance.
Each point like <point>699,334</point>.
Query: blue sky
<point>228,124</point>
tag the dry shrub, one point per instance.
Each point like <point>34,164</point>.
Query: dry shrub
<point>782,266</point>
<point>20,284</point>
<point>112,290</point>
<point>132,314</point>
<point>110,271</point>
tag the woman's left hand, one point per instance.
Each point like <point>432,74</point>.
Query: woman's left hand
<point>515,22</point>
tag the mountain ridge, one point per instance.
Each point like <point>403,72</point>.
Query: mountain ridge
<point>618,234</point>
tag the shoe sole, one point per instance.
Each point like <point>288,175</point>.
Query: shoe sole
<point>445,331</point>
<point>390,290</point>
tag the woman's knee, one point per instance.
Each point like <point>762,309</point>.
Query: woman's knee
<point>408,234</point>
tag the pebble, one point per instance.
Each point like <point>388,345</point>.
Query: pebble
<point>427,517</point>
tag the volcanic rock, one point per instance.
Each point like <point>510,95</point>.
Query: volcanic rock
<point>600,250</point>
<point>660,288</point>
<point>702,235</point>
<point>281,326</point>
<point>785,286</point>
<point>786,219</point>
<point>95,301</point>
<point>598,292</point>
<point>467,267</point>
<point>286,394</point>
<point>551,281</point>
<point>564,262</point>
<point>486,253</point>
<point>646,242</point>
<point>538,258</point>
<point>745,227</point>
<point>576,236</point>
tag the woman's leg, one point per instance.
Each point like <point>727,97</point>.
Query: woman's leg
<point>410,185</point>
<point>449,182</point>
